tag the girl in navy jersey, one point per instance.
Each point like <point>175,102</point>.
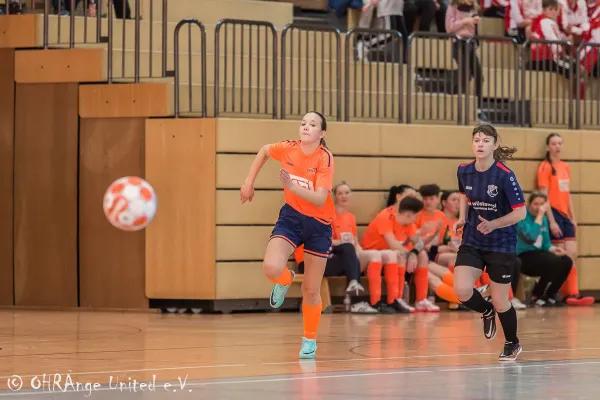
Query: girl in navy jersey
<point>491,204</point>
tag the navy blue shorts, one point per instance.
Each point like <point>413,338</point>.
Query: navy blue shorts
<point>565,225</point>
<point>299,229</point>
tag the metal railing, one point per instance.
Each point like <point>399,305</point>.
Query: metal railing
<point>587,99</point>
<point>124,14</point>
<point>547,88</point>
<point>245,85</point>
<point>305,59</point>
<point>436,79</point>
<point>493,64</point>
<point>190,68</point>
<point>377,59</point>
<point>68,23</point>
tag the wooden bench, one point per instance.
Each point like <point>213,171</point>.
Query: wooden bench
<point>326,307</point>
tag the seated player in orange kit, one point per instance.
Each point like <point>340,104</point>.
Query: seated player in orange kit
<point>394,228</point>
<point>433,226</point>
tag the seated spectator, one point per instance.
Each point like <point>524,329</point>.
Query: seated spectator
<point>345,232</point>
<point>573,19</point>
<point>538,256</point>
<point>431,222</point>
<point>548,56</point>
<point>519,16</point>
<point>462,19</point>
<point>394,229</point>
<point>344,259</point>
<point>425,10</point>
<point>384,15</point>
<point>451,240</point>
<point>494,8</point>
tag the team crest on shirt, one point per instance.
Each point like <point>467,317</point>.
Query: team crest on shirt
<point>492,190</point>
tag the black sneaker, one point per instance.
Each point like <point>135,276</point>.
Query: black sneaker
<point>401,307</point>
<point>510,352</point>
<point>384,308</point>
<point>489,324</point>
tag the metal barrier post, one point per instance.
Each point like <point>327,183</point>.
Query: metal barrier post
<point>434,73</point>
<point>378,51</point>
<point>319,39</point>
<point>269,30</point>
<point>178,27</point>
<point>553,62</point>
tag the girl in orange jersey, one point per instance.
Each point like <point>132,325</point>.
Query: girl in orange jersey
<point>433,224</point>
<point>553,179</point>
<point>345,231</point>
<point>307,177</point>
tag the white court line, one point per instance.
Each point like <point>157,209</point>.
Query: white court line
<point>302,378</point>
<point>126,370</point>
<point>429,356</point>
<point>291,363</point>
<point>404,372</point>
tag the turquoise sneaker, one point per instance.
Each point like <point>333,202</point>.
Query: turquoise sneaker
<point>278,293</point>
<point>308,349</point>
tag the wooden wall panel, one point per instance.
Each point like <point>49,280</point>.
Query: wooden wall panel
<point>61,66</point>
<point>45,222</point>
<point>111,262</point>
<point>180,242</point>
<point>7,131</point>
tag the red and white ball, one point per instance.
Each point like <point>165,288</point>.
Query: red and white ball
<point>130,203</point>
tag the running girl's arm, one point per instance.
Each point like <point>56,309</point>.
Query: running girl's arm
<point>510,219</point>
<point>318,197</point>
<point>463,207</point>
<point>259,161</point>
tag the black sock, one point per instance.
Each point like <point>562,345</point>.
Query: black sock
<point>478,304</point>
<point>508,319</point>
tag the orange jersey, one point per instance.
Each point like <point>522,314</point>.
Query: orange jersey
<point>309,171</point>
<point>424,217</point>
<point>383,223</point>
<point>450,229</point>
<point>558,185</point>
<point>344,227</point>
<point>405,232</point>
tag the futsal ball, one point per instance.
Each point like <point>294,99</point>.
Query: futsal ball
<point>130,203</point>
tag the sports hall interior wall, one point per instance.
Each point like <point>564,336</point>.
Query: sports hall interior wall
<point>58,250</point>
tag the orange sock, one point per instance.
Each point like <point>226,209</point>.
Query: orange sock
<point>485,278</point>
<point>570,287</point>
<point>421,283</point>
<point>510,293</point>
<point>448,278</point>
<point>451,268</point>
<point>312,317</point>
<point>446,292</point>
<point>478,283</point>
<point>401,280</point>
<point>374,276</point>
<point>390,273</point>
<point>284,279</point>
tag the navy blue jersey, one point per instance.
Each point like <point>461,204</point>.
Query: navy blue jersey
<point>491,194</point>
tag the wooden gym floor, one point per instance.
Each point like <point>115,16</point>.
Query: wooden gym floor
<point>254,356</point>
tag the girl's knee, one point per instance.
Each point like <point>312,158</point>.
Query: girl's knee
<point>389,257</point>
<point>311,292</point>
<point>375,256</point>
<point>422,258</point>
<point>271,268</point>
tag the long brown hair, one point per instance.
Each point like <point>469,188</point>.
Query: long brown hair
<point>502,153</point>
<point>550,136</point>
